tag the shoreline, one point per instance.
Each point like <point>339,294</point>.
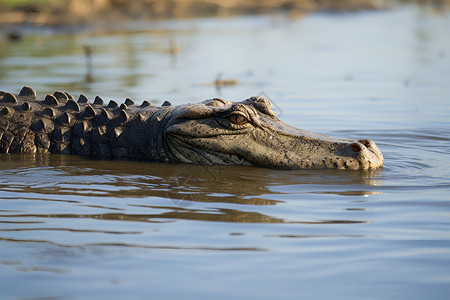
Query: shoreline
<point>95,14</point>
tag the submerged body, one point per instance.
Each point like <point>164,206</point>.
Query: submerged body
<point>211,132</point>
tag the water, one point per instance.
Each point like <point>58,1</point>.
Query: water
<point>73,228</point>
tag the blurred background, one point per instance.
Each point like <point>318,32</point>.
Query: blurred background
<point>63,12</point>
<point>179,49</point>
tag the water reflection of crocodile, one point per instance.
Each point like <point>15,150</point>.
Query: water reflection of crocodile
<point>181,183</point>
<point>212,132</point>
<point>166,192</point>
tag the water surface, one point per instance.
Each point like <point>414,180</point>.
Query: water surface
<point>74,228</point>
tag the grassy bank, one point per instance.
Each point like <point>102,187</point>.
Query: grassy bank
<point>78,12</point>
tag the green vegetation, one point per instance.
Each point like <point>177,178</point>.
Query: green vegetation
<point>21,3</point>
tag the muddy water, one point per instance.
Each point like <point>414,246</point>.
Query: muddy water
<point>73,228</point>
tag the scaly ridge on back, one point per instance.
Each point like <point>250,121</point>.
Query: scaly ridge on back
<point>59,124</point>
<point>214,131</point>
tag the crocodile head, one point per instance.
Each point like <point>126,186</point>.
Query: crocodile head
<point>249,133</point>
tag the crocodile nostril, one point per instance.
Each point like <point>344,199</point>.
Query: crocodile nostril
<point>365,143</point>
<point>356,147</point>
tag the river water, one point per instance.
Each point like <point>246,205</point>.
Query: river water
<point>74,228</point>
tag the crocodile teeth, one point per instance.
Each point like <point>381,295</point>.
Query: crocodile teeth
<point>9,98</point>
<point>83,99</point>
<point>50,100</point>
<point>98,101</point>
<point>26,91</point>
<point>129,102</point>
<point>61,96</point>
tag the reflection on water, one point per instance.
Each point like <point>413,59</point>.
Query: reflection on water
<point>50,178</point>
<point>53,197</point>
<point>74,228</point>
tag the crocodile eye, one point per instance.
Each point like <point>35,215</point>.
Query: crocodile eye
<point>238,119</point>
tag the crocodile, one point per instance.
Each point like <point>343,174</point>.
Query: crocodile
<point>211,132</point>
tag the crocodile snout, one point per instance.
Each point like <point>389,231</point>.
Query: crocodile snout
<point>367,154</point>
